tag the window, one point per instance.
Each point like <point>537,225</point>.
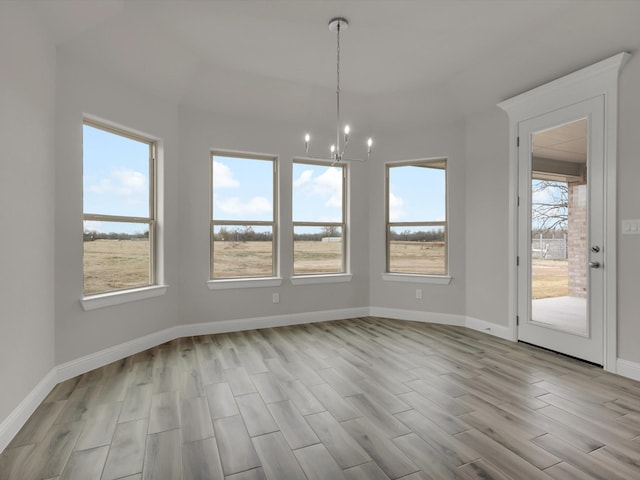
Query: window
<point>318,218</point>
<point>243,216</point>
<point>119,209</point>
<point>417,217</point>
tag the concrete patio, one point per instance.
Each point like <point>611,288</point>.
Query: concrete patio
<point>566,313</point>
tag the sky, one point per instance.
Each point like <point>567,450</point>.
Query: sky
<point>115,179</point>
<point>116,182</point>
<point>407,188</point>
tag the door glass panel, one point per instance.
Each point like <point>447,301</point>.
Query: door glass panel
<point>559,228</point>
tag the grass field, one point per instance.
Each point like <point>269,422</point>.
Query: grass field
<point>426,258</point>
<point>242,259</point>
<point>253,259</point>
<point>317,257</point>
<point>117,264</point>
<point>549,278</point>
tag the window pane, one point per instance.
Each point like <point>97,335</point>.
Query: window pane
<point>240,251</point>
<point>317,193</point>
<point>115,174</point>
<point>317,250</point>
<point>116,256</point>
<point>242,189</point>
<point>420,250</point>
<point>417,193</point>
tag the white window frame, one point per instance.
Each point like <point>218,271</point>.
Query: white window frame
<point>323,277</point>
<point>439,279</point>
<point>223,283</point>
<point>152,289</point>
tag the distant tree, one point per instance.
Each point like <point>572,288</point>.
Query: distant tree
<point>248,233</point>
<point>331,231</point>
<point>222,235</point>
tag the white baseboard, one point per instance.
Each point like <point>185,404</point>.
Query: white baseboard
<point>81,365</point>
<point>98,359</point>
<point>444,319</point>
<point>490,328</point>
<point>242,324</point>
<point>418,316</point>
<point>628,369</point>
<point>11,425</point>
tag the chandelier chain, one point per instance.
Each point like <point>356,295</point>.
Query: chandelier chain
<point>338,153</point>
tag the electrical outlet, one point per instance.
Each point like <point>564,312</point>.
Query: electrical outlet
<point>276,298</point>
<point>419,293</point>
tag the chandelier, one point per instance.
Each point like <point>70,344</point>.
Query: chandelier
<point>337,150</point>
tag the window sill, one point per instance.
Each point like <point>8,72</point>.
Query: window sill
<point>117,298</point>
<point>405,277</point>
<point>315,279</point>
<point>244,283</point>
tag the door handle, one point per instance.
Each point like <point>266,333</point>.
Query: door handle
<point>594,264</point>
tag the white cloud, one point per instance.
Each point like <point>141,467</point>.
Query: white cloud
<point>305,177</point>
<point>396,207</point>
<point>123,182</point>
<point>254,206</point>
<point>129,182</point>
<point>92,226</point>
<point>327,186</point>
<point>223,176</point>
<point>103,186</point>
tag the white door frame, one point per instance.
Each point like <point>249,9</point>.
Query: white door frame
<point>598,79</point>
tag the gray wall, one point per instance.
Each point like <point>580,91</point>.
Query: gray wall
<point>629,208</point>
<point>199,133</point>
<point>487,216</point>
<point>430,141</point>
<point>27,83</point>
<point>87,90</point>
<point>41,192</point>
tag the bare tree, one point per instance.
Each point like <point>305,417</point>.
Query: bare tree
<point>331,231</point>
<point>549,206</point>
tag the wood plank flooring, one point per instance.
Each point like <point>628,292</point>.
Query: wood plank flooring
<point>360,399</point>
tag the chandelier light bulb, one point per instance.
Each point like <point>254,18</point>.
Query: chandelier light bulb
<point>333,148</point>
<point>346,130</point>
<point>369,142</point>
<point>307,138</point>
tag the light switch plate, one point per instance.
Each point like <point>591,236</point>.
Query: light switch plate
<point>631,227</point>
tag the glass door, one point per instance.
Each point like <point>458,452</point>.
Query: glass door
<point>561,231</point>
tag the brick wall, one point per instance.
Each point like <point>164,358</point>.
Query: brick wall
<point>577,239</point>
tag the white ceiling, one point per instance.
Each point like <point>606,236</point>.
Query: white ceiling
<point>403,62</point>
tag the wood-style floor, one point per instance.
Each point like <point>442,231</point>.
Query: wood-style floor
<point>362,399</point>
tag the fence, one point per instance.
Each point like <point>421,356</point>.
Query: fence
<point>549,248</point>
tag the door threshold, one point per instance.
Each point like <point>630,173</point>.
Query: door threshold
<point>562,354</point>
